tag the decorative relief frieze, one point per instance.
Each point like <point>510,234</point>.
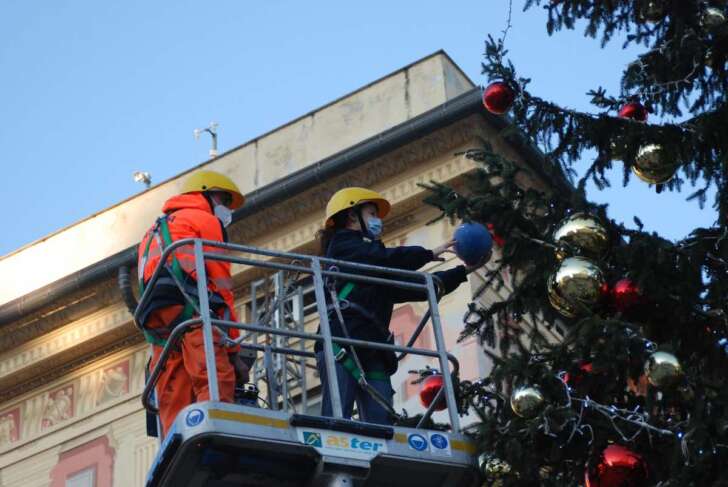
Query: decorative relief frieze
<point>73,398</point>
<point>9,426</point>
<point>58,406</point>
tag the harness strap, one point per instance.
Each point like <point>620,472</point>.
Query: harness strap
<point>348,363</point>
<point>156,336</point>
<point>346,290</point>
<point>351,363</point>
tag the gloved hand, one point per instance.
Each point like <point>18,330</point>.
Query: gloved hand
<point>442,249</point>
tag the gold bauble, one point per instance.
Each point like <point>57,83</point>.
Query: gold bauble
<point>527,401</point>
<point>493,467</point>
<point>713,19</point>
<point>575,286</point>
<point>663,370</point>
<point>581,234</point>
<point>652,165</point>
<point>652,11</point>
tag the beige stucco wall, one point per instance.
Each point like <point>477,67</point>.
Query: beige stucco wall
<point>341,124</point>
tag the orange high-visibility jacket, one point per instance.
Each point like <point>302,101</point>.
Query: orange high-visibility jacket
<point>190,216</point>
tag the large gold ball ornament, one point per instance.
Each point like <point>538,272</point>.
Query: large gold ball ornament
<point>663,370</point>
<point>652,165</point>
<point>581,234</point>
<point>527,401</point>
<point>576,286</point>
<point>713,19</point>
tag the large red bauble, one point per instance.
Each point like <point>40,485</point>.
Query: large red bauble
<point>634,110</point>
<point>499,241</point>
<point>618,467</point>
<point>430,387</point>
<point>498,97</point>
<point>626,295</point>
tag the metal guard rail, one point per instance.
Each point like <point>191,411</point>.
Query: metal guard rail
<point>427,285</point>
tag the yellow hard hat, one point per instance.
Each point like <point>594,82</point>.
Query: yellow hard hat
<point>350,197</point>
<point>214,181</point>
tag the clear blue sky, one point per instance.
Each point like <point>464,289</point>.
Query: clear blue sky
<point>91,91</point>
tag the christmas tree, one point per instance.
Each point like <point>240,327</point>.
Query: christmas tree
<point>635,393</point>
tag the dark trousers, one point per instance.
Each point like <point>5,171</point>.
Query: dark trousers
<point>369,409</point>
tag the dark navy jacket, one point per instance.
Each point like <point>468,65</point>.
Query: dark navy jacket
<point>377,301</point>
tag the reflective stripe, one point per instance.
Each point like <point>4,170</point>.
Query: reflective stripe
<point>185,254</point>
<point>222,283</point>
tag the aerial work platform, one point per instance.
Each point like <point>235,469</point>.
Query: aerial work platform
<point>227,445</point>
<point>217,444</point>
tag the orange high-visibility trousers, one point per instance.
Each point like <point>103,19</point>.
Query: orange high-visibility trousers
<point>184,377</point>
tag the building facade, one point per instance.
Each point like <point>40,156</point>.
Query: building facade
<point>71,360</point>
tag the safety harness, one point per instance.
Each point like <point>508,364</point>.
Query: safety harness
<point>341,354</point>
<point>348,357</point>
<point>158,336</point>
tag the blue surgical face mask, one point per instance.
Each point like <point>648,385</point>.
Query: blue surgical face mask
<point>375,226</point>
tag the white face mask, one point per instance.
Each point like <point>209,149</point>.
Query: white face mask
<point>225,214</point>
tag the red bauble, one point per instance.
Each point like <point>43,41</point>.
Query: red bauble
<point>498,97</point>
<point>626,295</point>
<point>618,467</point>
<point>499,241</point>
<point>430,387</point>
<point>584,369</point>
<point>635,111</point>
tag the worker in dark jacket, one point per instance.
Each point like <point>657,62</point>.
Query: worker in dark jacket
<point>352,232</point>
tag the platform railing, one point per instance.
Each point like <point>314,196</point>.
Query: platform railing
<point>319,268</point>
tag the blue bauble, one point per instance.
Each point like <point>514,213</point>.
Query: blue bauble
<point>472,243</point>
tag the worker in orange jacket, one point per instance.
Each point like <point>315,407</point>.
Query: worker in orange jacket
<point>203,210</point>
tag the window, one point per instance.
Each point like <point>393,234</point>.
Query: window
<point>88,465</point>
<point>84,478</point>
